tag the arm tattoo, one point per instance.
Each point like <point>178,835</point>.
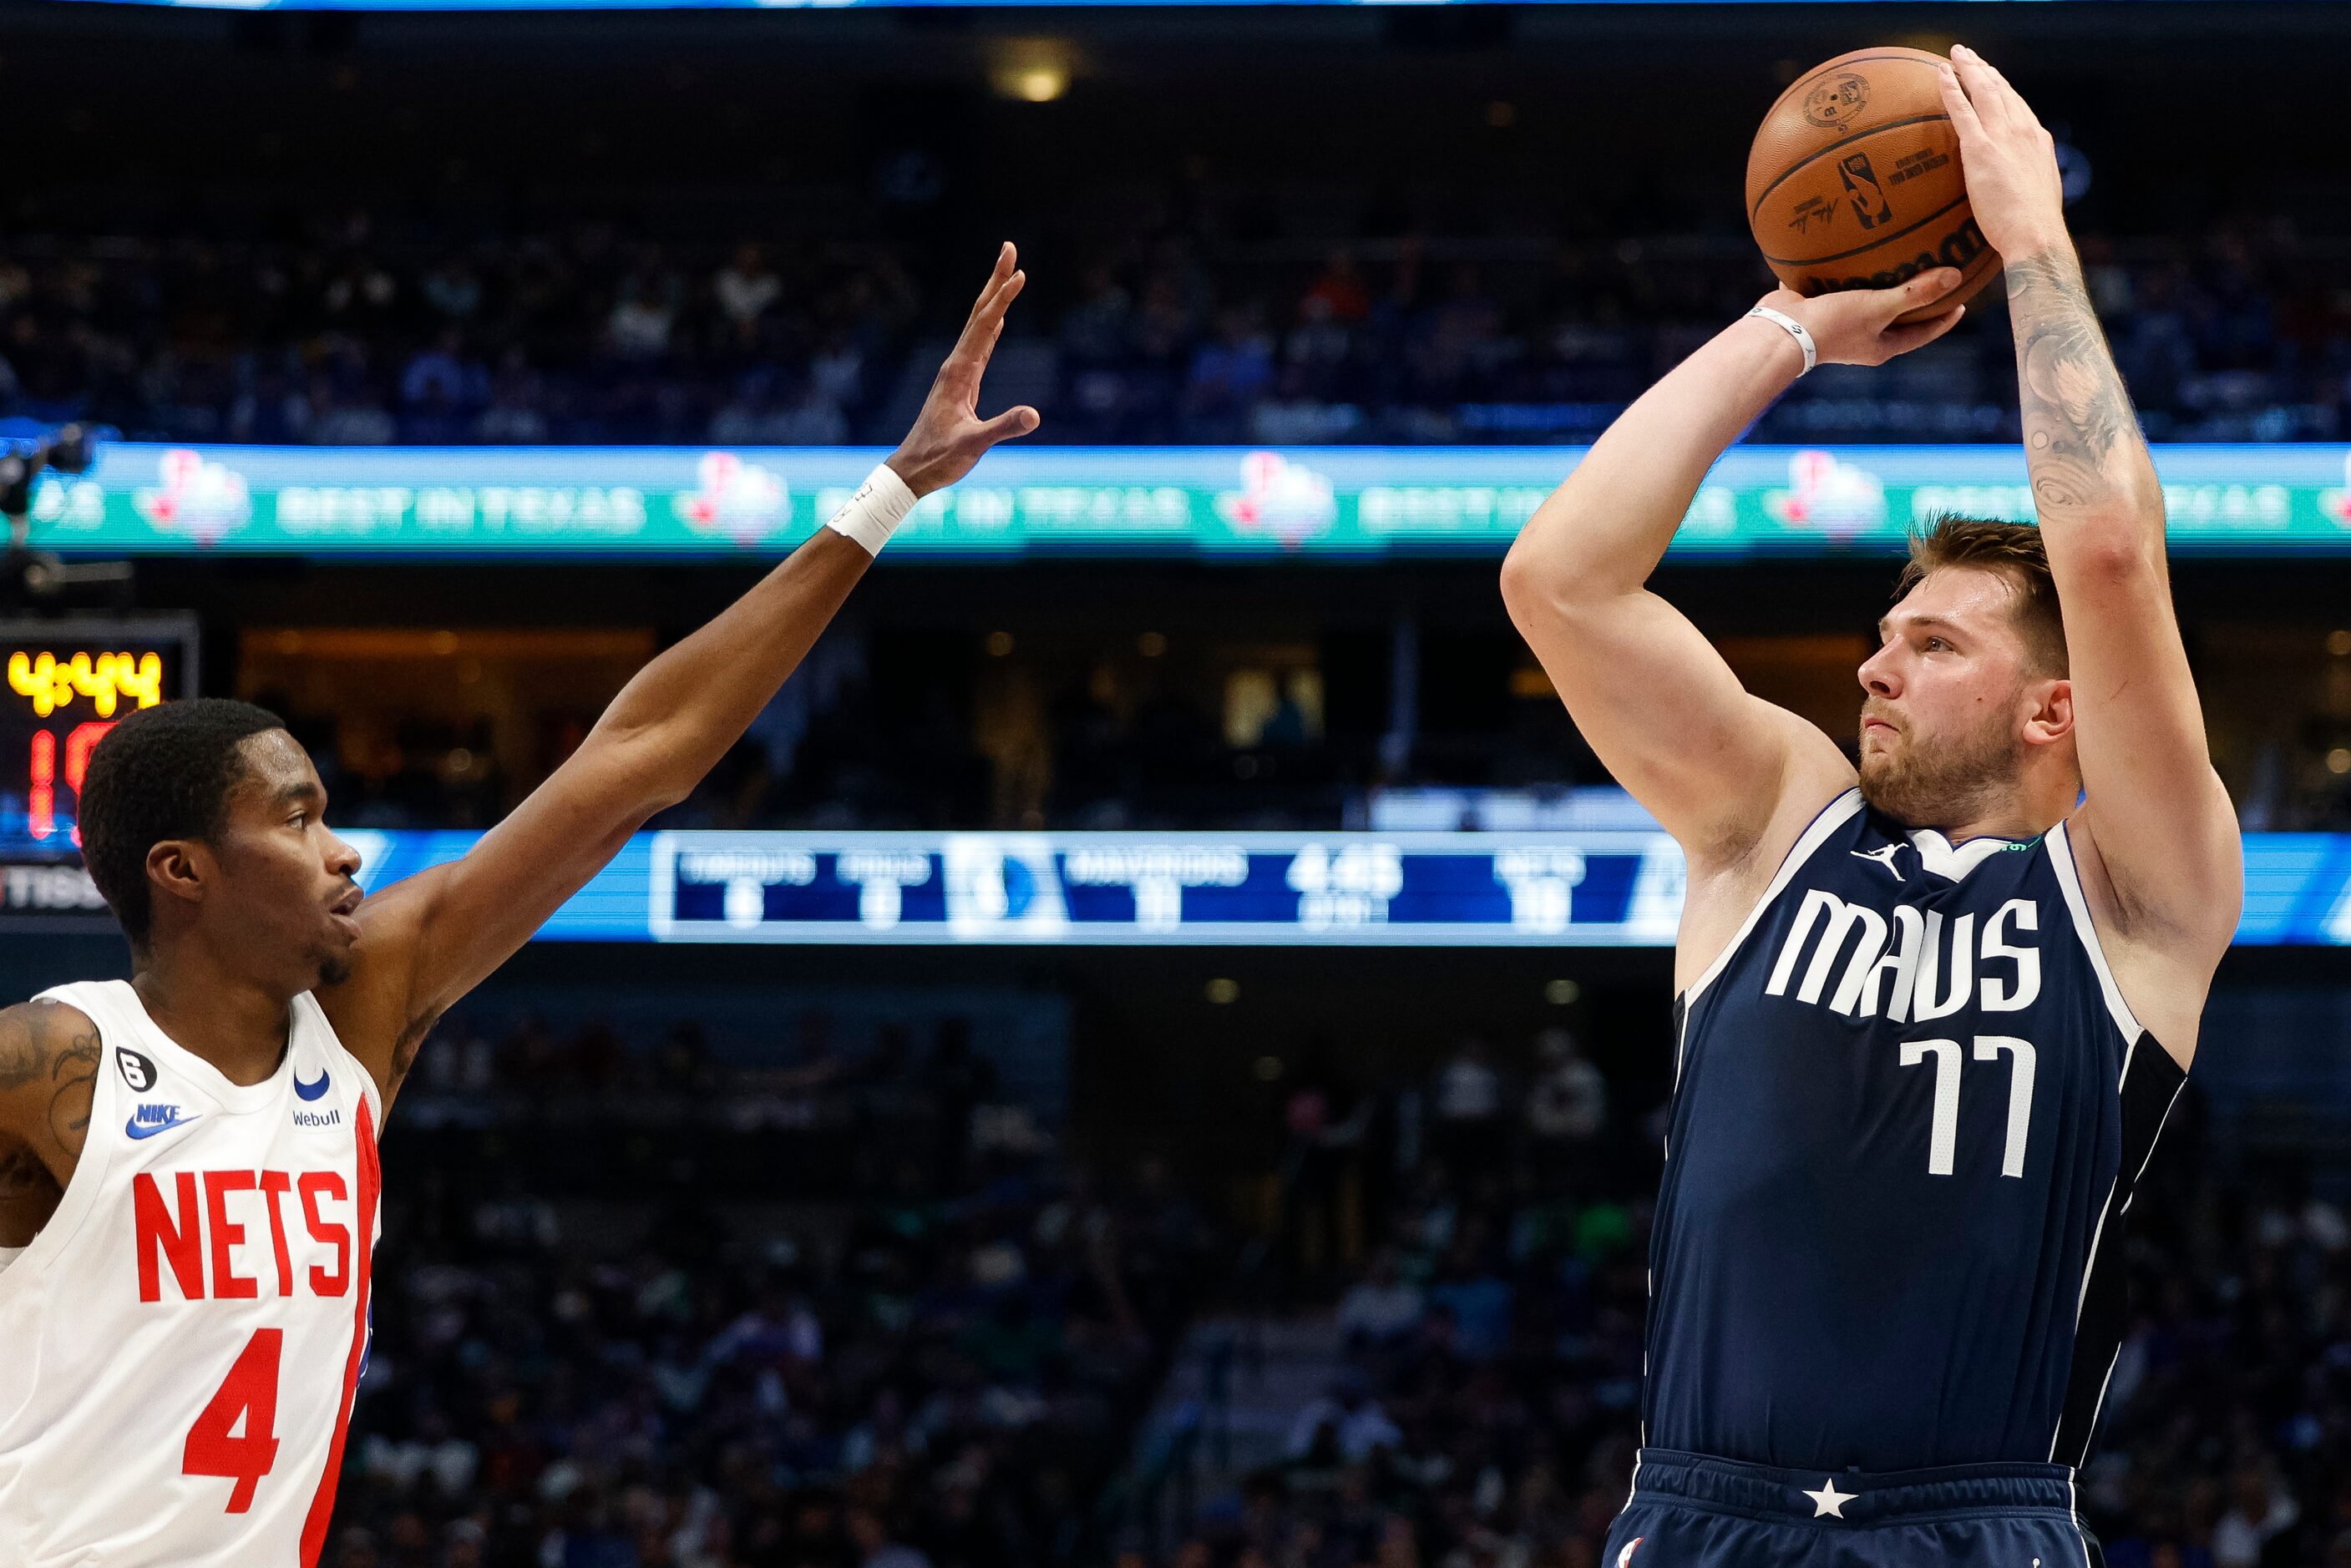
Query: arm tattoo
<point>23,1047</point>
<point>2077,417</point>
<point>75,1074</point>
<point>50,1054</point>
<point>53,1054</point>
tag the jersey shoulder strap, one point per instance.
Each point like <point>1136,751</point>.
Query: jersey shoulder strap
<point>2069,878</point>
<point>311,1024</point>
<point>112,1007</point>
<point>97,998</point>
<point>1833,816</point>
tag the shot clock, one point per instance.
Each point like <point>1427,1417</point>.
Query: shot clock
<point>63,684</point>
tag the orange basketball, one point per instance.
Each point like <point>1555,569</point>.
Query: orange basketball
<point>1855,181</point>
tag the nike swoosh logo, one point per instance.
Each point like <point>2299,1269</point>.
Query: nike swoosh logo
<point>310,1091</point>
<point>136,1128</point>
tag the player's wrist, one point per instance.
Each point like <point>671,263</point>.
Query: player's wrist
<point>923,463</point>
<point>2045,241</point>
<point>873,513</point>
<point>909,470</point>
<point>1782,333</point>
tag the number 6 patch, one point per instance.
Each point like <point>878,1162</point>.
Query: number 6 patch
<point>137,1070</point>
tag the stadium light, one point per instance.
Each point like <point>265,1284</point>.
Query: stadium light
<point>1032,70</point>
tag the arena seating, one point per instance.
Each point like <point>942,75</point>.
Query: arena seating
<point>364,333</point>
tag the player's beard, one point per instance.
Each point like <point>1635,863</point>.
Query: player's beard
<point>1952,780</point>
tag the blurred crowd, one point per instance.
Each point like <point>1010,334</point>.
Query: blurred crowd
<point>576,1109</point>
<point>1095,748</point>
<point>1090,753</point>
<point>366,332</point>
<point>354,338</point>
<point>1485,1412</point>
<point>706,1372</point>
<point>713,1364</point>
<point>1158,757</point>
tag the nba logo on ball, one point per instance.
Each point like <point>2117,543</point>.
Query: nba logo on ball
<point>1624,1558</point>
<point>1869,202</point>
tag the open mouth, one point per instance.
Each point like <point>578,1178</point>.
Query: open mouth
<point>348,904</point>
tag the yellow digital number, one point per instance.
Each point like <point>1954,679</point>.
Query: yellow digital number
<point>106,678</point>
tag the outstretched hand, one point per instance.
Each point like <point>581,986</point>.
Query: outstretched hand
<point>1856,326</point>
<point>949,436</point>
<point>2013,184</point>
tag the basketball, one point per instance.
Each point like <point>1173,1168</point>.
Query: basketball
<point>1855,181</point>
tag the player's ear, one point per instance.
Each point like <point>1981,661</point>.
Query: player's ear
<point>181,869</point>
<point>2049,716</point>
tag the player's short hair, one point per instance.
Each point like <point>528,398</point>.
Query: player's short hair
<point>2013,550</point>
<point>163,772</point>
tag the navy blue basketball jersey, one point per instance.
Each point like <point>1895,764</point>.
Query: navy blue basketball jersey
<point>1909,1109</point>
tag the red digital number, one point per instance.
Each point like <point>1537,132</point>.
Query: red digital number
<point>42,802</point>
<point>249,1395</point>
<point>41,798</point>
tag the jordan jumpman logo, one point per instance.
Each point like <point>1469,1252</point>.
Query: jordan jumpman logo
<point>1885,855</point>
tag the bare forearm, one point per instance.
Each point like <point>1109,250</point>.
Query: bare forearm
<point>2089,463</point>
<point>1606,527</point>
<point>682,712</point>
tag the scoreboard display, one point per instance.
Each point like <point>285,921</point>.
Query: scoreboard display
<point>1581,887</point>
<point>63,685</point>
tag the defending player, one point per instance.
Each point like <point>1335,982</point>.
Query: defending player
<point>188,1171</point>
<point>1930,1019</point>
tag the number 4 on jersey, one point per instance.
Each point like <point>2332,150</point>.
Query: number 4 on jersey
<point>236,1435</point>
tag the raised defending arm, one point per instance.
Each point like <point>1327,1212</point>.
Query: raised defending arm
<point>427,940</point>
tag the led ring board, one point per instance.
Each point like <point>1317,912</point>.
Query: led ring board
<point>1214,503</point>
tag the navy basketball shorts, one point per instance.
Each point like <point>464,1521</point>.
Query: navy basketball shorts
<point>1691,1512</point>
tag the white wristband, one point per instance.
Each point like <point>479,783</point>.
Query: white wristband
<point>873,513</point>
<point>1795,330</point>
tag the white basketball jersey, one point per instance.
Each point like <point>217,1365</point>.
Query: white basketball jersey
<point>179,1345</point>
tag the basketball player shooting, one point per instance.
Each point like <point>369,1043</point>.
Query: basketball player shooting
<point>188,1172</point>
<point>1931,1012</point>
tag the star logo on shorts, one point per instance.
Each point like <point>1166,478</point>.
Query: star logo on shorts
<point>1828,1503</point>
